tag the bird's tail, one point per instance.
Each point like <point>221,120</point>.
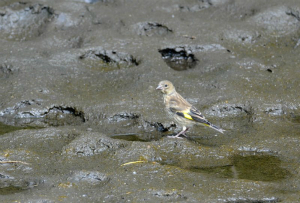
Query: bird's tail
<point>216,128</point>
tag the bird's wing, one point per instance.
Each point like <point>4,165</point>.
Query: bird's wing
<point>197,116</point>
<point>177,103</point>
<point>181,107</point>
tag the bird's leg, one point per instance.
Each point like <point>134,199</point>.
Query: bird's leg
<point>185,132</point>
<point>184,129</point>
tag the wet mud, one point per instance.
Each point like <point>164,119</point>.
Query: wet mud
<point>81,121</point>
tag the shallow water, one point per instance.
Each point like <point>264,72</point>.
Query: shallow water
<point>8,128</point>
<point>258,167</point>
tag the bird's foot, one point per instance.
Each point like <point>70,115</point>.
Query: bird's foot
<point>181,133</point>
<point>172,136</point>
<point>178,135</point>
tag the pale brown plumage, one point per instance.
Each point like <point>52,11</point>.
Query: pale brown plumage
<point>181,110</point>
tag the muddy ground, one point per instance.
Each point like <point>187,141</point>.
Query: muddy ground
<point>81,120</point>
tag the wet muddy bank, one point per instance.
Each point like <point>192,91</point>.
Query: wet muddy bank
<point>81,119</point>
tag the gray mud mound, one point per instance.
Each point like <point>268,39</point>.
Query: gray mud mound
<point>108,59</point>
<point>23,21</point>
<point>151,29</point>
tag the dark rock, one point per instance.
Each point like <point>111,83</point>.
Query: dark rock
<point>59,115</point>
<point>183,57</point>
<point>178,58</point>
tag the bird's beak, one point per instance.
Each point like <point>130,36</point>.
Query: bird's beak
<point>159,87</point>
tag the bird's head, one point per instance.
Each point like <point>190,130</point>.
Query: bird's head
<point>166,87</point>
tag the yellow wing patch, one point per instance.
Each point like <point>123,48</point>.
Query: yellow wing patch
<point>186,115</point>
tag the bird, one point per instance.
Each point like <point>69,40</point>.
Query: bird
<point>183,113</point>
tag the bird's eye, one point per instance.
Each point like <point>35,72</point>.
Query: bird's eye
<point>166,85</point>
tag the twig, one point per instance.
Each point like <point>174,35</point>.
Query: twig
<point>11,162</point>
<point>136,162</point>
<point>133,162</point>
